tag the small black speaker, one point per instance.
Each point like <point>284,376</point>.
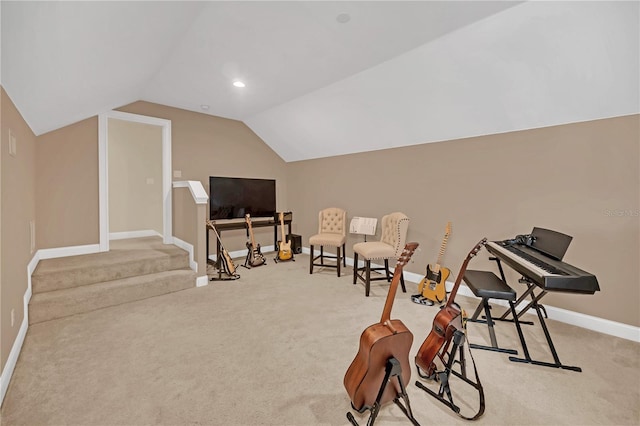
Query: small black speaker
<point>296,243</point>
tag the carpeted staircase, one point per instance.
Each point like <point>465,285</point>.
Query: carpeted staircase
<point>131,270</point>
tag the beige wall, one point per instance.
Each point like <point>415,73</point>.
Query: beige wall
<point>135,176</point>
<point>18,210</point>
<point>581,179</point>
<point>67,186</point>
<point>203,146</point>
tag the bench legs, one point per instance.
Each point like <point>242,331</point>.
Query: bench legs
<point>484,305</point>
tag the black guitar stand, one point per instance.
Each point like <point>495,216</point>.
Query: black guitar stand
<point>444,375</point>
<point>392,369</point>
<point>227,278</point>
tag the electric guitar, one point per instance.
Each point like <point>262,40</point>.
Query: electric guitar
<point>226,263</point>
<point>284,246</point>
<point>433,285</point>
<point>379,342</point>
<point>445,323</point>
<point>255,257</point>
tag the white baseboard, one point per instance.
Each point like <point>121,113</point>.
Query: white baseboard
<point>134,234</point>
<point>189,249</point>
<point>601,325</point>
<point>53,253</point>
<point>243,253</point>
<point>10,365</point>
<point>202,281</point>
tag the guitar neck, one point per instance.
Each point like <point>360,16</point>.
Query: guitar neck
<point>471,254</point>
<point>397,273</point>
<point>282,227</point>
<point>253,242</point>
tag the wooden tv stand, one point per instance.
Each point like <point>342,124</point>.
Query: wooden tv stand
<point>255,223</point>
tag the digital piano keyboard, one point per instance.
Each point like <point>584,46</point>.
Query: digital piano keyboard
<point>547,273</point>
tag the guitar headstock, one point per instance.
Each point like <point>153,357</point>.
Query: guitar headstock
<point>247,218</point>
<point>477,248</point>
<point>407,252</point>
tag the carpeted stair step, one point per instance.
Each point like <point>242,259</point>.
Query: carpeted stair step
<point>75,271</point>
<point>69,301</point>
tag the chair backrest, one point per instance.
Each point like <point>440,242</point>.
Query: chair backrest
<point>394,230</point>
<point>332,220</point>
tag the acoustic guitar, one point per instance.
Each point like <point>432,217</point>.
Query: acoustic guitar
<point>256,257</point>
<point>445,323</point>
<point>226,263</point>
<point>379,342</point>
<point>433,285</point>
<point>284,246</point>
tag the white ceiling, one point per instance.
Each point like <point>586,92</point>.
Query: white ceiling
<point>398,73</point>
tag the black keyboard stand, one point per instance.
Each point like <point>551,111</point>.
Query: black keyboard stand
<point>535,298</point>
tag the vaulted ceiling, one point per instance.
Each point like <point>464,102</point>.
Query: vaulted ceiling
<point>327,78</point>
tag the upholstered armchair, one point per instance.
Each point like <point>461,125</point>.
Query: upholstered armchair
<point>392,241</point>
<point>332,224</point>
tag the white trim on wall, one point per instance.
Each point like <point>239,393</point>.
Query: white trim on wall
<point>133,234</point>
<point>103,180</point>
<point>601,325</point>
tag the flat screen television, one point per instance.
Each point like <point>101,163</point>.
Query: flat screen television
<point>232,198</point>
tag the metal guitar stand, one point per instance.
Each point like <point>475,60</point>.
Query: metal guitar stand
<point>444,375</point>
<point>392,369</point>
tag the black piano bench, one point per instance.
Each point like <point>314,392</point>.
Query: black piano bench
<point>487,285</point>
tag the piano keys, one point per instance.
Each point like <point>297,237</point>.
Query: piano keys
<point>547,273</point>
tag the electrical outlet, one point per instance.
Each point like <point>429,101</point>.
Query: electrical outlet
<point>177,173</point>
<point>13,317</point>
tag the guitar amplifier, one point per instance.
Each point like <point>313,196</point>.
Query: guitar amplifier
<point>296,243</point>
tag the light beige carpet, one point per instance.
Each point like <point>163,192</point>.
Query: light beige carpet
<point>272,348</point>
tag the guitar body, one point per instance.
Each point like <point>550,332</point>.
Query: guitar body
<point>284,250</point>
<point>284,246</point>
<point>445,323</point>
<point>227,264</point>
<point>378,343</point>
<point>256,258</point>
<point>433,285</point>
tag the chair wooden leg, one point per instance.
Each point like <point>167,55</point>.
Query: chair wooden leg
<point>355,266</point>
<point>322,255</point>
<point>338,261</point>
<point>404,290</point>
<point>344,255</point>
<point>368,278</point>
<point>386,270</point>
<point>311,260</point>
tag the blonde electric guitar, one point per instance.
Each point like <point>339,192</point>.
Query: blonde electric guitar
<point>284,246</point>
<point>432,286</point>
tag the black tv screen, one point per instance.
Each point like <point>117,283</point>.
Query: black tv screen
<point>231,198</point>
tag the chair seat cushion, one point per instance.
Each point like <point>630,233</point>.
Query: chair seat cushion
<point>374,250</point>
<point>335,240</point>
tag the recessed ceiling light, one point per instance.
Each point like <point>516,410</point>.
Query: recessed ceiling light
<point>343,18</point>
<point>204,107</point>
<point>238,83</point>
